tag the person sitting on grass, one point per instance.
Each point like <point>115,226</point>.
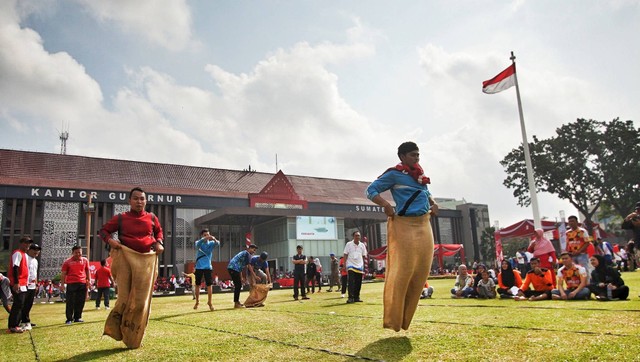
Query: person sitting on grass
<point>427,291</point>
<point>509,280</point>
<point>477,277</point>
<point>464,283</point>
<point>486,286</point>
<point>574,276</point>
<point>606,283</point>
<point>541,279</point>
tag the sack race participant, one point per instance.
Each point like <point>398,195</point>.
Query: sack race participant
<point>409,235</point>
<point>134,267</point>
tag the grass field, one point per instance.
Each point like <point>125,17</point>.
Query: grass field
<point>326,329</point>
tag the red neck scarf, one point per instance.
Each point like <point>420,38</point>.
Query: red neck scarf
<point>416,172</point>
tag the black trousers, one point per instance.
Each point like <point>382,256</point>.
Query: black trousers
<point>311,278</point>
<point>298,282</point>
<point>355,284</point>
<point>103,292</point>
<point>16,308</point>
<point>237,284</point>
<point>28,303</point>
<point>344,282</point>
<point>76,296</point>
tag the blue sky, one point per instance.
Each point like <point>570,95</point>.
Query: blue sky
<point>331,87</point>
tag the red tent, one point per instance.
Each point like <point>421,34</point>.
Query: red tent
<point>379,253</point>
<point>521,229</point>
<point>524,228</point>
<point>439,250</point>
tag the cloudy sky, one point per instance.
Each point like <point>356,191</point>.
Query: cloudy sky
<point>330,87</point>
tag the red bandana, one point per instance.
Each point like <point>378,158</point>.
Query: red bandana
<point>416,172</point>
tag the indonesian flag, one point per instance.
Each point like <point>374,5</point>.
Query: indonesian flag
<point>502,81</point>
<point>247,239</point>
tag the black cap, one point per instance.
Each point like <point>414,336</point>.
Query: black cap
<point>34,247</point>
<point>252,246</point>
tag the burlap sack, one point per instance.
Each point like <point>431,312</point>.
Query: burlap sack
<point>409,258</point>
<point>135,274</point>
<point>257,295</point>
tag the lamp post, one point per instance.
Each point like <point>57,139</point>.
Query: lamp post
<point>89,208</point>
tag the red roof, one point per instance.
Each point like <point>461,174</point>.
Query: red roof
<point>22,168</point>
<point>524,228</point>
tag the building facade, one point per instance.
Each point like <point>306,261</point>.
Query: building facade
<point>51,197</point>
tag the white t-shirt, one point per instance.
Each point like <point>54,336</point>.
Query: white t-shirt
<point>355,253</point>
<point>32,263</point>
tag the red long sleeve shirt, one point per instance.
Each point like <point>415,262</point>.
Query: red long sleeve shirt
<point>138,230</point>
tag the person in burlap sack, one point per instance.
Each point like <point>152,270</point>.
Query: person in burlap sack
<point>134,267</point>
<point>410,238</point>
<point>259,285</point>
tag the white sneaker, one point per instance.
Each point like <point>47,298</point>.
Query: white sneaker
<point>341,295</point>
<point>106,308</point>
<point>97,308</point>
<point>25,326</point>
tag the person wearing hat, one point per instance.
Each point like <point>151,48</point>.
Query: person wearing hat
<point>236,268</point>
<point>18,280</point>
<point>334,278</point>
<point>260,268</point>
<point>259,281</point>
<point>32,262</point>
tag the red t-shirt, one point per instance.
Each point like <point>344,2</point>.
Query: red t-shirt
<point>139,230</point>
<point>76,270</point>
<point>102,277</point>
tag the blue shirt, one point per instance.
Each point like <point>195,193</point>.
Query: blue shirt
<point>204,253</point>
<point>402,187</point>
<point>258,263</point>
<point>239,261</point>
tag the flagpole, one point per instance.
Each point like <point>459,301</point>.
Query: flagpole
<point>527,156</point>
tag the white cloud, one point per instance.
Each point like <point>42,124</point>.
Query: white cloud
<point>52,87</point>
<point>166,23</point>
<point>293,100</point>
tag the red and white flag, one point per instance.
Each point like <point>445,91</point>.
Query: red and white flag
<point>502,81</point>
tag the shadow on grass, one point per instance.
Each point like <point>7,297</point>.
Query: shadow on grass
<point>388,349</point>
<point>89,356</point>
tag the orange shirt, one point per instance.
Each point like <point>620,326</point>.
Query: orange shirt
<point>571,276</point>
<point>540,283</point>
<point>576,239</point>
<point>517,279</point>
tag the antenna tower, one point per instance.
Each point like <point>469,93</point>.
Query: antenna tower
<point>64,136</point>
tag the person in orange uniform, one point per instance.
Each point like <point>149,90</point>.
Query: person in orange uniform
<point>541,279</point>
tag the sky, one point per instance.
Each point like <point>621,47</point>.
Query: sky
<point>315,88</point>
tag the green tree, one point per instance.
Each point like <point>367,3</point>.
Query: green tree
<point>565,165</point>
<point>488,246</point>
<point>619,163</point>
<point>510,247</point>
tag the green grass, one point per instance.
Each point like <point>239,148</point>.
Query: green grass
<point>326,329</point>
